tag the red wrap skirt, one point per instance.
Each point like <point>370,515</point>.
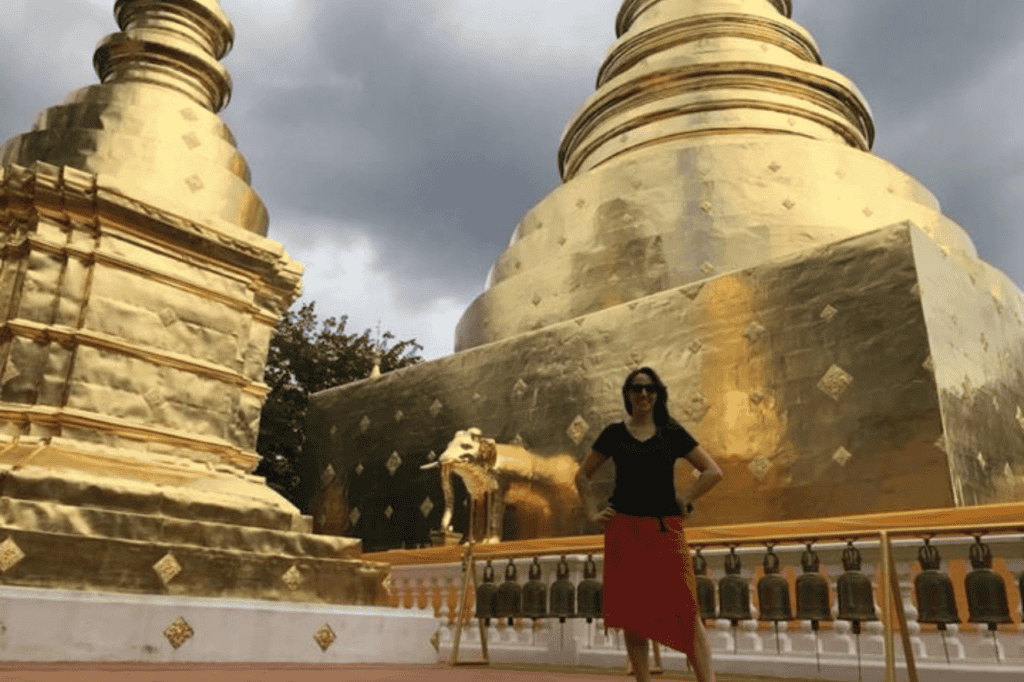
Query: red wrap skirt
<point>649,584</point>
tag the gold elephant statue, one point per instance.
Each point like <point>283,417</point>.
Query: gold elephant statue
<point>541,489</point>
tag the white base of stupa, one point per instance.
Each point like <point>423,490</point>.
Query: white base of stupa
<point>64,625</point>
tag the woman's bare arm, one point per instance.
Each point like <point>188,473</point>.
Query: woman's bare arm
<point>593,461</point>
<point>710,474</point>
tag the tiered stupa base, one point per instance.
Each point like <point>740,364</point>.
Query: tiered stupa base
<point>862,376</point>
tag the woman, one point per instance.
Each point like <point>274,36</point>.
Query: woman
<point>649,587</point>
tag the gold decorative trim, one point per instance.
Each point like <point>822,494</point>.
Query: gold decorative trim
<point>10,554</point>
<point>324,637</point>
<point>167,568</point>
<point>292,578</point>
<point>178,632</point>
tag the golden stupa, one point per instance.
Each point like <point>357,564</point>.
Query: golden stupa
<point>139,296</point>
<point>824,330</point>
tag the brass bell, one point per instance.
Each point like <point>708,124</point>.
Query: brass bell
<point>563,593</point>
<point>535,594</point>
<point>773,594</point>
<point>812,601</point>
<point>588,594</point>
<point>510,595</point>
<point>812,596</point>
<point>986,591</point>
<point>486,593</point>
<point>705,586</point>
<point>733,591</point>
<point>856,598</point>
<point>936,602</point>
<point>773,591</point>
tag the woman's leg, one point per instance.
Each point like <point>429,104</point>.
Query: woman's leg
<point>636,647</point>
<point>702,654</point>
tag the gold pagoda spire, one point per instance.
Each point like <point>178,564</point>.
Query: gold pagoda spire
<point>716,140</point>
<point>689,69</point>
<point>151,126</point>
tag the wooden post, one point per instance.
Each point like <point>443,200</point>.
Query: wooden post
<point>469,568</point>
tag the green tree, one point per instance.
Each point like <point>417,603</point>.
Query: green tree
<point>304,359</point>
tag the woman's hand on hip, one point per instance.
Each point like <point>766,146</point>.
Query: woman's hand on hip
<point>602,516</point>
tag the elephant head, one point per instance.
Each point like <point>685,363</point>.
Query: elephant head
<point>472,457</point>
<point>541,488</point>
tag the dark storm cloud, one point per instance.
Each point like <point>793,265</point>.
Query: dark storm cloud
<point>375,116</point>
<point>916,62</point>
<point>386,121</point>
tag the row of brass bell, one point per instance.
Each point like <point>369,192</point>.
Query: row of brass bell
<point>511,600</point>
<point>773,591</point>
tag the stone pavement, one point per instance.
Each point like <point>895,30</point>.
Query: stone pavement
<point>246,672</point>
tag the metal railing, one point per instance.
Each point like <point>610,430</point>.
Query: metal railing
<point>889,562</point>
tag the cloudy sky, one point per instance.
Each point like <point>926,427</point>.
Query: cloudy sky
<point>398,142</point>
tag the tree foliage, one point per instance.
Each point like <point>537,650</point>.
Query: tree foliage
<point>305,358</point>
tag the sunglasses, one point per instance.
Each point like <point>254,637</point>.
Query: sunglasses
<point>643,388</point>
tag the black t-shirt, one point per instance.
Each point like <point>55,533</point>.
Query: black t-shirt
<point>644,471</point>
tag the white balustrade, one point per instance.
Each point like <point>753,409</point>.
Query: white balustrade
<point>750,648</point>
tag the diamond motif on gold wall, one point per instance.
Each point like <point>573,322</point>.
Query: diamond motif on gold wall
<point>167,568</point>
<point>327,475</point>
<point>191,140</point>
<point>10,554</point>
<point>354,515</point>
<point>1020,418</point>
<point>774,167</point>
<point>841,456</point>
<point>292,578</point>
<point>695,347</point>
<point>436,408</point>
<point>578,429</point>
<point>929,364</point>
<point>388,511</point>
<point>789,203</point>
<point>194,182</point>
<point>707,269</point>
<point>695,406</point>
<point>940,442</point>
<point>398,415</point>
<point>364,424</point>
<point>756,397</point>
<point>835,382</point>
<point>431,456</point>
<point>394,461</point>
<point>828,312</point>
<point>981,461</point>
<point>705,206</point>
<point>324,637</point>
<point>691,290</point>
<point>168,316</point>
<point>759,467</point>
<point>536,299</point>
<point>178,632</point>
<point>359,469</point>
<point>427,506</point>
<point>518,441</point>
<point>754,331</point>
<point>519,389</point>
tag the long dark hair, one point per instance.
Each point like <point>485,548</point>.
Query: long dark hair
<point>660,411</point>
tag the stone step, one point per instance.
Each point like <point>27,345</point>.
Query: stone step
<point>78,560</point>
<point>68,520</point>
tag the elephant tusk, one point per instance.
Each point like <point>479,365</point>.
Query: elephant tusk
<point>431,465</point>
